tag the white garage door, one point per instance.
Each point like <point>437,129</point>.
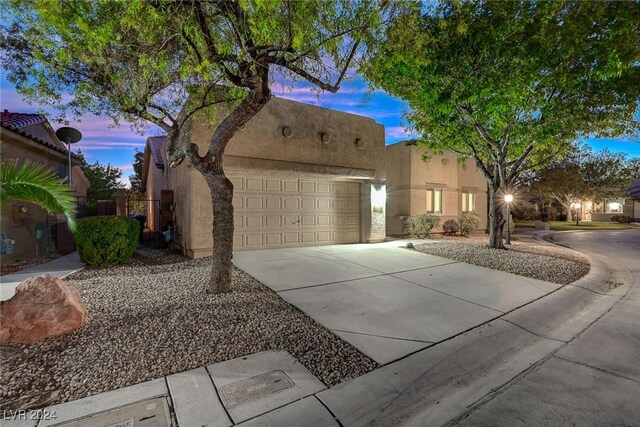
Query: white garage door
<point>277,212</point>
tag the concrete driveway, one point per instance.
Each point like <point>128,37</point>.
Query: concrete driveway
<point>386,300</point>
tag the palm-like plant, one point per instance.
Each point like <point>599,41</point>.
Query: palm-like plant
<point>33,183</point>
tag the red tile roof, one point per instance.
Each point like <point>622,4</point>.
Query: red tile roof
<point>155,145</point>
<point>16,122</point>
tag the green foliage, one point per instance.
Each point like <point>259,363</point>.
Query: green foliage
<point>420,226</point>
<point>622,219</point>
<point>512,83</point>
<point>451,226</point>
<point>106,240</point>
<point>468,223</point>
<point>584,175</point>
<point>104,180</point>
<point>33,183</point>
<point>135,179</point>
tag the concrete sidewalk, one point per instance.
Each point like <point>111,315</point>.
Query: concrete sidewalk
<point>59,267</point>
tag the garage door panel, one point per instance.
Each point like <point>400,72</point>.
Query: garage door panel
<point>254,203</point>
<point>253,184</point>
<point>273,184</point>
<point>323,203</point>
<point>291,238</point>
<point>273,203</point>
<point>277,212</point>
<point>274,239</point>
<point>290,185</point>
<point>307,187</point>
<point>307,220</point>
<point>307,204</point>
<point>352,205</point>
<point>254,240</point>
<point>253,221</point>
<point>273,221</point>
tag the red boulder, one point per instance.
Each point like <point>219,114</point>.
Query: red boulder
<point>43,306</point>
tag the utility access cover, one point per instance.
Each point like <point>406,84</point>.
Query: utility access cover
<point>254,388</point>
<point>151,413</point>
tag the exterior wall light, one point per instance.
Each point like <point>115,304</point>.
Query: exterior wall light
<point>378,197</point>
<point>359,143</point>
<point>325,138</point>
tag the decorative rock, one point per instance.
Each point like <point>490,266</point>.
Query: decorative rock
<point>43,306</point>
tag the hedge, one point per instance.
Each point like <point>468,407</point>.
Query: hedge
<point>106,240</point>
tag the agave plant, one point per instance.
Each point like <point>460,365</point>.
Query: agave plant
<point>33,183</point>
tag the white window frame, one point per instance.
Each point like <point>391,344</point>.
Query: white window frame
<point>466,197</point>
<point>434,191</point>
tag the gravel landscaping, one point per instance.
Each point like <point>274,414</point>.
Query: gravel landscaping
<point>536,260</point>
<point>152,318</point>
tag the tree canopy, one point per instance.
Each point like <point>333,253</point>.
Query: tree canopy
<point>584,175</point>
<point>135,179</point>
<point>163,62</point>
<point>104,180</point>
<point>513,84</point>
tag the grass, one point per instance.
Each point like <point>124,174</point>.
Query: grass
<point>584,225</point>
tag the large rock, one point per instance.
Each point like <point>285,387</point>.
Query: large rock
<point>43,306</point>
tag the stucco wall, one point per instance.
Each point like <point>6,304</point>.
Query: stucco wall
<point>22,226</point>
<point>261,146</point>
<point>408,177</point>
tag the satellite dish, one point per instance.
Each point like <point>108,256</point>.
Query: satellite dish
<point>69,135</point>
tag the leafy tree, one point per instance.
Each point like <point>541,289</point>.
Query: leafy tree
<point>164,62</point>
<point>584,175</point>
<point>135,179</point>
<point>512,84</point>
<point>33,183</point>
<point>104,180</point>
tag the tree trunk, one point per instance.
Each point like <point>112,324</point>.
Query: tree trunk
<point>496,220</point>
<point>222,201</point>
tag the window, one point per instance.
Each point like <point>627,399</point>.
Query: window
<point>468,202</point>
<point>614,206</point>
<point>434,200</point>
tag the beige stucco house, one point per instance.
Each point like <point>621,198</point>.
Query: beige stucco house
<point>30,136</point>
<point>305,175</point>
<point>440,186</point>
<point>302,175</point>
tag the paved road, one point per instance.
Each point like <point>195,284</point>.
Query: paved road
<point>592,380</point>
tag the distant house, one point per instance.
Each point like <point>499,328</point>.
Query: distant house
<point>440,186</point>
<point>30,136</point>
<point>603,210</point>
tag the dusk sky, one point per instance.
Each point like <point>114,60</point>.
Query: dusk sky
<point>116,146</point>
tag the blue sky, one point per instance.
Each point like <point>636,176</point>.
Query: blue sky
<point>116,146</point>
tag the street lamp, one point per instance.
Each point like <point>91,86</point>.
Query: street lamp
<point>576,206</point>
<point>508,198</point>
<point>70,136</point>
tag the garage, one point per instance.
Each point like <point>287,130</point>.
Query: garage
<point>278,211</point>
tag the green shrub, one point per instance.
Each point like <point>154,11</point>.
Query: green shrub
<point>451,226</point>
<point>104,240</point>
<point>420,226</point>
<point>468,223</point>
<point>622,219</point>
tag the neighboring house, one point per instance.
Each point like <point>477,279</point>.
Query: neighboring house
<point>30,136</point>
<point>305,175</point>
<point>605,209</point>
<point>302,175</point>
<point>440,186</point>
